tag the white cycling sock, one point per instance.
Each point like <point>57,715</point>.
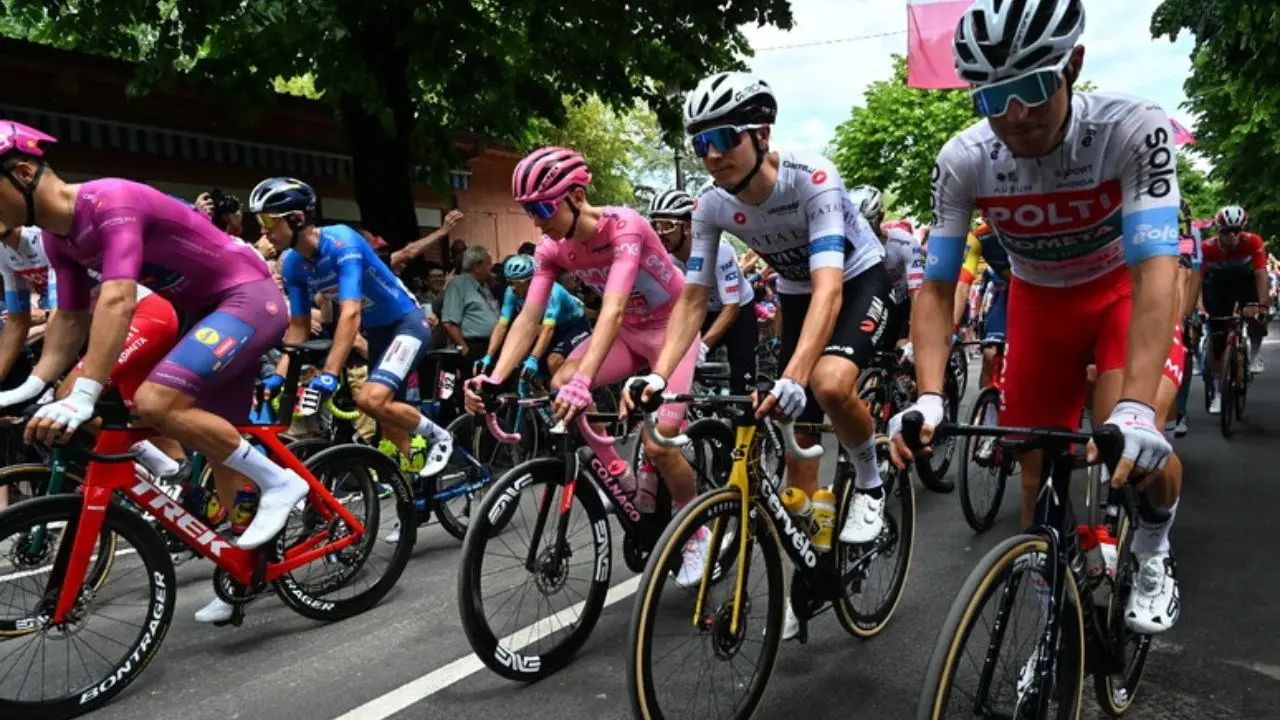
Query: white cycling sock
<point>427,428</point>
<point>1255,347</point>
<point>156,461</point>
<point>866,473</point>
<point>256,466</point>
<point>1154,538</point>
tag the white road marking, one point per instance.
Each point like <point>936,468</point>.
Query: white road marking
<point>433,682</point>
<point>45,569</point>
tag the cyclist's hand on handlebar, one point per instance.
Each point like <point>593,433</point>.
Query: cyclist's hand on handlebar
<point>1251,311</point>
<point>273,384</point>
<point>325,383</point>
<point>786,396</point>
<point>530,367</point>
<point>1145,449</point>
<point>471,392</point>
<point>649,385</point>
<point>931,407</point>
<point>55,422</point>
<point>482,365</point>
<point>573,397</point>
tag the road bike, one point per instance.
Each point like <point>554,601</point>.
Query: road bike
<point>985,466</point>
<point>1236,376</point>
<point>888,386</point>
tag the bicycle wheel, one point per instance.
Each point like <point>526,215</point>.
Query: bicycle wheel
<point>958,364</point>
<point>875,591</point>
<point>64,675</point>
<point>522,501</point>
<point>709,453</point>
<point>32,480</point>
<point>982,472</point>
<point>1013,569</point>
<point>306,448</point>
<point>1243,377</point>
<point>349,581</point>
<point>1115,691</point>
<point>463,482</point>
<point>737,662</point>
<point>1230,382</point>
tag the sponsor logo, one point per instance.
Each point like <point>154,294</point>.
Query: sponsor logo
<point>784,209</point>
<point>1052,213</point>
<point>272,308</point>
<point>695,264</point>
<point>740,218</point>
<point>748,91</point>
<point>789,164</point>
<point>225,347</point>
<point>1071,172</point>
<point>818,177</point>
<point>1152,233</point>
<point>176,518</point>
<point>134,663</point>
<point>621,499</point>
<point>791,534</point>
<point>1088,137</point>
<point>130,349</point>
<point>208,336</point>
<point>1157,171</point>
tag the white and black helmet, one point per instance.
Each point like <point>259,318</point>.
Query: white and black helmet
<point>671,204</point>
<point>869,202</point>
<point>280,195</point>
<point>731,98</point>
<point>999,39</point>
<point>1232,216</point>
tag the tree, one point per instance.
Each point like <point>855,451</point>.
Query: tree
<point>1202,194</point>
<point>606,138</point>
<point>1234,90</point>
<point>406,75</point>
<point>892,141</point>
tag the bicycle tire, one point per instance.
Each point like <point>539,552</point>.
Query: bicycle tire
<point>456,522</point>
<point>1207,378</point>
<point>306,448</point>
<point>980,584</point>
<point>1243,378</point>
<point>1226,416</point>
<point>162,599</point>
<point>979,518</point>
<point>376,468</point>
<point>498,508</point>
<point>39,472</point>
<point>897,484</point>
<point>958,365</point>
<point>1116,700</point>
<point>724,502</point>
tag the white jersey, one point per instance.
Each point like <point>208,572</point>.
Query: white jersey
<point>807,224</point>
<point>1108,196</point>
<point>904,262</point>
<point>25,268</point>
<point>731,289</point>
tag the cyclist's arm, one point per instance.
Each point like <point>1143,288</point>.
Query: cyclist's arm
<point>525,328</point>
<point>300,307</point>
<point>298,331</point>
<point>350,267</point>
<point>729,288</point>
<point>64,335</point>
<point>690,309</point>
<point>1150,237</point>
<point>505,317</point>
<point>724,320</point>
<point>495,340</point>
<point>406,254</point>
<point>545,336</point>
<point>17,298</point>
<point>937,307</point>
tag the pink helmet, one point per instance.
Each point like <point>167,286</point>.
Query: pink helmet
<point>548,174</point>
<point>16,137</point>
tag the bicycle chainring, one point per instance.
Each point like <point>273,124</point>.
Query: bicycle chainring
<point>635,557</point>
<point>230,591</point>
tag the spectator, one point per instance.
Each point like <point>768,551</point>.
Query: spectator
<point>469,311</point>
<point>434,287</point>
<point>224,210</point>
<point>414,250</point>
<point>527,249</point>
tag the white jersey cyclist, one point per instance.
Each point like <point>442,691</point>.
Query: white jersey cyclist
<point>1106,198</point>
<point>806,224</point>
<point>904,261</point>
<point>25,268</point>
<point>731,288</point>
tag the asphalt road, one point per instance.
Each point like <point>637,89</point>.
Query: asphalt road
<point>409,659</point>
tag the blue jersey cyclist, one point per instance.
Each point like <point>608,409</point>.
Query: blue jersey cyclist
<point>335,261</point>
<point>564,322</point>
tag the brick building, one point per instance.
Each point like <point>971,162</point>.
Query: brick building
<point>182,141</point>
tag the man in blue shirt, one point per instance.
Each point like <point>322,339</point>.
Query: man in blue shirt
<point>336,261</point>
<point>564,323</point>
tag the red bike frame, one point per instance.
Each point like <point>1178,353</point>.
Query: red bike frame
<point>104,478</point>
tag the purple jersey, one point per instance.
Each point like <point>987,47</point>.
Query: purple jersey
<point>125,230</point>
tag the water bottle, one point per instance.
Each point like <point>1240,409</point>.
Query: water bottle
<point>621,472</point>
<point>796,501</point>
<point>824,518</point>
<point>245,507</point>
<point>646,497</point>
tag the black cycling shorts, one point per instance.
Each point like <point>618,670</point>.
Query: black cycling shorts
<point>860,325</point>
<point>897,326</point>
<point>741,341</point>
<point>1222,298</point>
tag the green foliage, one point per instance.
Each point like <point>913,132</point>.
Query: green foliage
<point>1201,193</point>
<point>1234,90</point>
<point>608,139</point>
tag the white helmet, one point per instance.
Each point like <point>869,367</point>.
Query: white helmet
<point>731,98</point>
<point>673,204</point>
<point>1232,216</point>
<point>869,202</point>
<point>999,39</point>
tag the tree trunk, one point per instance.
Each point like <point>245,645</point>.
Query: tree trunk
<point>383,184</point>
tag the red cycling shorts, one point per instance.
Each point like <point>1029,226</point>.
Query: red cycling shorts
<point>153,332</point>
<point>1054,334</point>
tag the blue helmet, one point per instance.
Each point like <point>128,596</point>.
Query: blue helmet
<point>518,267</point>
<point>280,195</point>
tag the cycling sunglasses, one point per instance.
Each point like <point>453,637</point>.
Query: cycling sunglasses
<point>542,209</point>
<point>1032,90</point>
<point>269,222</point>
<point>723,139</point>
<point>662,227</point>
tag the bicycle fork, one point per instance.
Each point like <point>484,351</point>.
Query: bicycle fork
<point>72,562</point>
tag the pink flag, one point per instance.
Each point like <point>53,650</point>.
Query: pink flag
<point>931,24</point>
<point>1181,135</point>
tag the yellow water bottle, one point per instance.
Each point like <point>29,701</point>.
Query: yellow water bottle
<point>796,501</point>
<point>824,518</point>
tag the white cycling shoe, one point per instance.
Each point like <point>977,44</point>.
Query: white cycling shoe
<point>695,558</point>
<point>865,521</point>
<point>1215,405</point>
<point>438,456</point>
<point>790,623</point>
<point>1256,365</point>
<point>1154,603</point>
<point>216,611</point>
<point>273,511</point>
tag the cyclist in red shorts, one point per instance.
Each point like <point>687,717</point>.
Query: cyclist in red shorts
<point>1235,275</point>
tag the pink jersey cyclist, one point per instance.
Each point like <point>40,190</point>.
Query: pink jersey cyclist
<point>124,230</point>
<point>623,256</point>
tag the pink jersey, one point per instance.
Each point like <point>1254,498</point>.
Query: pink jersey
<point>624,256</point>
<point>124,230</point>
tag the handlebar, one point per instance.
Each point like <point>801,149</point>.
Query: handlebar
<point>742,401</point>
<point>1107,438</point>
<point>81,435</point>
<point>493,403</point>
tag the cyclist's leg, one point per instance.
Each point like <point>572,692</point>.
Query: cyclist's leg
<point>1153,605</point>
<point>1051,333</point>
<point>567,339</point>
<point>996,325</point>
<point>1218,302</point>
<point>741,343</point>
<point>206,383</point>
<point>1257,330</point>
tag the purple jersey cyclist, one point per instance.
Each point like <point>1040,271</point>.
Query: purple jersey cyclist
<point>131,234</point>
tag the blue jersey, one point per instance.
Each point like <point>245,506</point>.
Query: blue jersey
<point>345,268</point>
<point>562,309</point>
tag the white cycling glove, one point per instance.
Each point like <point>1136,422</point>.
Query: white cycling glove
<point>929,405</point>
<point>790,395</point>
<point>27,391</point>
<point>74,409</point>
<point>1144,444</point>
<point>652,381</point>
